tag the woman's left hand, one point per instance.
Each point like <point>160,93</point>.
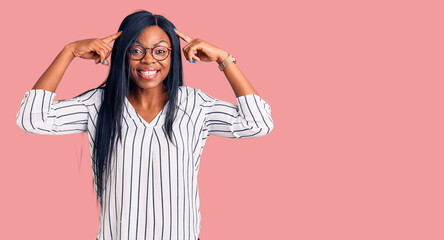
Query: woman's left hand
<point>197,50</point>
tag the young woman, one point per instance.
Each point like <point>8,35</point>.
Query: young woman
<point>146,130</point>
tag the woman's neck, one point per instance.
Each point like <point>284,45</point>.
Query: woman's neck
<point>148,98</point>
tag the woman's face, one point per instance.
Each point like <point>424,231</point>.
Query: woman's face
<point>149,73</point>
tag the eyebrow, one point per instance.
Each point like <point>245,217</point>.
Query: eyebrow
<point>154,44</point>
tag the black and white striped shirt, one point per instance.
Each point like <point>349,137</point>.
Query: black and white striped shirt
<point>152,192</point>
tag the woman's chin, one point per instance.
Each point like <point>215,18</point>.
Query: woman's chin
<point>144,84</point>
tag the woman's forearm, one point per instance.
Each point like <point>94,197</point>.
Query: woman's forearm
<point>240,84</point>
<point>199,50</point>
<point>50,79</point>
<point>96,49</point>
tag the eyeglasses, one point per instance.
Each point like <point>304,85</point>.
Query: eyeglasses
<point>159,53</point>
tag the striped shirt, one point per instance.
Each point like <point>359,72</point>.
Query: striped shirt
<point>152,192</point>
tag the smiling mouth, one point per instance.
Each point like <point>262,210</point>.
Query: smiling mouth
<point>148,73</point>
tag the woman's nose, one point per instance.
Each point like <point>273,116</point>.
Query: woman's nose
<point>148,57</point>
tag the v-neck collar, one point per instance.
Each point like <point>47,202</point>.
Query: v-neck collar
<point>154,121</point>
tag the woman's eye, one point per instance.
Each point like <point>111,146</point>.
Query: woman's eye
<point>159,52</point>
<point>137,51</point>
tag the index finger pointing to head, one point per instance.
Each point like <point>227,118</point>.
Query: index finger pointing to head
<point>112,37</point>
<point>183,36</point>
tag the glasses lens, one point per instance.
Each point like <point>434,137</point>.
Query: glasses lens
<point>160,53</point>
<point>138,52</point>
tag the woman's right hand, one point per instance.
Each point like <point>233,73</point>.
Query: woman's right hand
<point>94,48</point>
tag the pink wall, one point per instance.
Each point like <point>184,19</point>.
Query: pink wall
<point>356,91</point>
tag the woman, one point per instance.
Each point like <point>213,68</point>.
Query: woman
<point>146,130</point>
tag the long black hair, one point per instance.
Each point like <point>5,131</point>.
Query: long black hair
<point>117,86</point>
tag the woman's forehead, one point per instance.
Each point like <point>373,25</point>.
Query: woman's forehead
<point>155,44</point>
<point>153,35</point>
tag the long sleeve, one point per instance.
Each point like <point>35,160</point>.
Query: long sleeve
<point>40,114</point>
<point>250,118</point>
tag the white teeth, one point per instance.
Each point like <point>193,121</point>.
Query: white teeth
<point>148,72</point>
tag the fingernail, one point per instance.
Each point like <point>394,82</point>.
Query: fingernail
<point>174,28</point>
<point>103,62</point>
<point>189,60</point>
<point>194,61</point>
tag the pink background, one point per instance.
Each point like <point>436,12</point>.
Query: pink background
<point>356,90</point>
